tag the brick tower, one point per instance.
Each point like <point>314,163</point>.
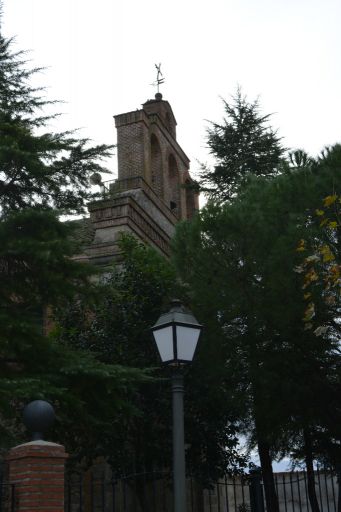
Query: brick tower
<point>152,191</point>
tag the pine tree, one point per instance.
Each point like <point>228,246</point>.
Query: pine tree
<point>42,176</point>
<point>242,145</point>
<point>239,259</point>
<point>37,167</point>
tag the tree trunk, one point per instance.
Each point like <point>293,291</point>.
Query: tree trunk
<point>310,471</point>
<point>268,476</point>
<point>264,455</point>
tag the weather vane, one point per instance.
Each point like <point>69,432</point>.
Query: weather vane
<point>159,78</point>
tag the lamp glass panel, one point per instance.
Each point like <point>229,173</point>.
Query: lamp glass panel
<point>187,339</point>
<point>164,342</point>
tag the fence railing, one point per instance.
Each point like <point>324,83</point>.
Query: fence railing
<point>96,493</point>
<point>152,492</point>
<point>235,494</point>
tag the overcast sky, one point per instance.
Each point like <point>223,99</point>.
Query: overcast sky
<point>100,60</point>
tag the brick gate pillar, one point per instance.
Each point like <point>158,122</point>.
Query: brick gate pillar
<point>36,470</point>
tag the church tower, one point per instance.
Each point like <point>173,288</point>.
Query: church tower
<point>153,190</point>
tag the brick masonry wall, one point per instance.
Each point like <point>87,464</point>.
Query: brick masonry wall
<point>148,152</point>
<point>130,150</point>
<point>146,144</point>
<point>37,471</point>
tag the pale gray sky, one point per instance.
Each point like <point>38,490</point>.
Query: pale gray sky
<point>100,58</point>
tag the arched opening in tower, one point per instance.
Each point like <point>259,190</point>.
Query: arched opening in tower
<point>190,200</point>
<point>156,166</point>
<point>174,185</point>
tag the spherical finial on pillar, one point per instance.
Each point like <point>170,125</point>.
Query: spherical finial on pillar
<point>38,416</point>
<point>158,96</point>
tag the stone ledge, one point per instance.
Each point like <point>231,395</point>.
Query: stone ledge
<point>132,117</point>
<point>125,185</point>
<point>37,450</point>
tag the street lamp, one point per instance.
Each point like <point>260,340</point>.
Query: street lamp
<point>176,335</point>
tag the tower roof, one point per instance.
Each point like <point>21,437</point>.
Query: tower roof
<point>163,109</point>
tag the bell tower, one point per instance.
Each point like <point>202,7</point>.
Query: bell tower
<point>153,189</point>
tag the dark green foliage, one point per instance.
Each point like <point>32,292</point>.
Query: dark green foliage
<point>37,271</point>
<point>129,298</point>
<point>37,167</point>
<point>243,145</point>
<point>117,327</point>
<point>239,259</point>
<point>43,175</point>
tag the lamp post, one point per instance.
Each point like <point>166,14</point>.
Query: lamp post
<point>176,334</point>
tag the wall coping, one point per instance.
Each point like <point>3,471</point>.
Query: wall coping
<point>37,449</point>
<point>40,442</point>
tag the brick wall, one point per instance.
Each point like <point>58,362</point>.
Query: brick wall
<point>148,198</point>
<point>130,150</point>
<point>36,470</point>
<point>147,147</point>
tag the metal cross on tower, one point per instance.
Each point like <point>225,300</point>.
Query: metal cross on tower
<point>159,77</point>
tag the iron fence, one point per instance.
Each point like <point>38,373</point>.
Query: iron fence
<point>89,492</point>
<point>152,492</point>
<point>236,494</point>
